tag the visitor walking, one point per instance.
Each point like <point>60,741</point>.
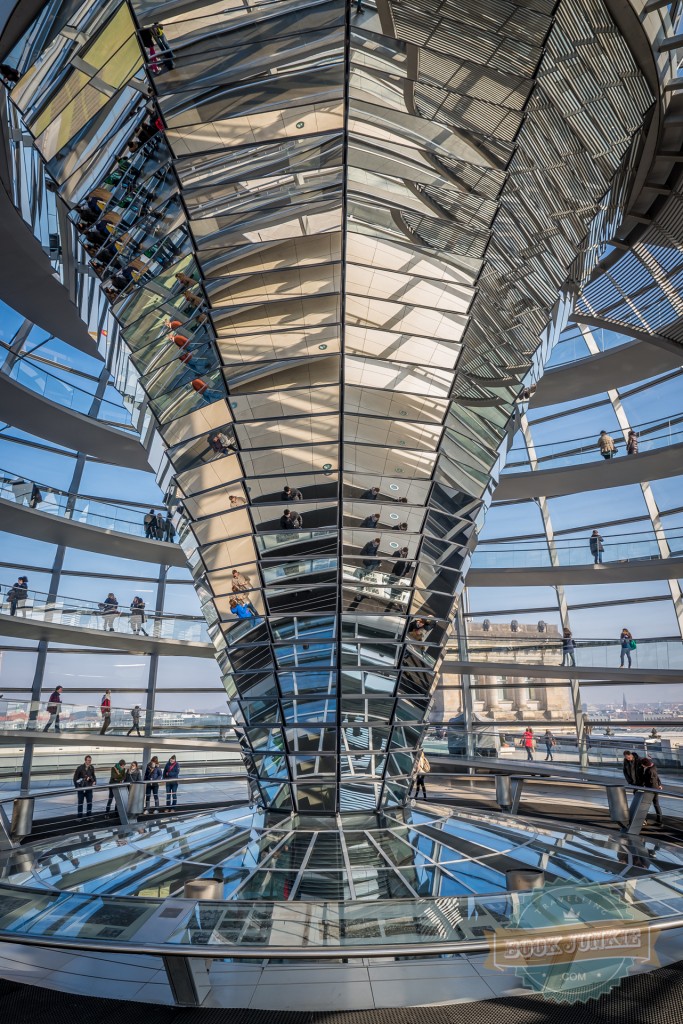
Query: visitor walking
<point>628,644</point>
<point>606,444</point>
<point>84,780</point>
<point>632,443</point>
<point>152,776</point>
<point>135,715</point>
<point>171,773</point>
<point>649,777</point>
<point>528,743</point>
<point>116,776</point>
<point>105,711</point>
<point>597,547</point>
<point>418,780</point>
<point>54,706</point>
<point>549,741</point>
<point>568,648</point>
<point>631,767</point>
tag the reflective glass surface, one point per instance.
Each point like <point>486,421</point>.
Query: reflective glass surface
<point>336,245</point>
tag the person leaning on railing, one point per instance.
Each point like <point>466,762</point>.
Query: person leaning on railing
<point>152,775</point>
<point>171,773</point>
<point>606,444</point>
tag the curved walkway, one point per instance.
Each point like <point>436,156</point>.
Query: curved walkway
<point>57,529</point>
<point>27,281</point>
<point>576,575</point>
<point>626,364</point>
<point>63,633</point>
<point>593,476</point>
<point>519,669</point>
<point>29,411</point>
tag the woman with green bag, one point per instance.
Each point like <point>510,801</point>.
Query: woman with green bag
<point>628,644</point>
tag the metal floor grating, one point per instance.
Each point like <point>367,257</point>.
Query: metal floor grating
<point>654,998</point>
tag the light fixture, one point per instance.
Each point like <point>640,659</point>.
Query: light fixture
<point>392,515</point>
<point>393,487</point>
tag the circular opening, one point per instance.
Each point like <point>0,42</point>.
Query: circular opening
<point>392,515</point>
<point>393,487</point>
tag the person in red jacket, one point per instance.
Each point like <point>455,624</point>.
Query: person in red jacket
<point>528,743</point>
<point>105,711</point>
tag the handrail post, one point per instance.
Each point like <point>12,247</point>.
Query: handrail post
<point>188,979</point>
<point>121,804</point>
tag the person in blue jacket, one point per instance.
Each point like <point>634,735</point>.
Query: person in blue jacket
<point>152,776</point>
<point>171,773</point>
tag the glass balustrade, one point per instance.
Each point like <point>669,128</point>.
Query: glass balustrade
<point>239,927</point>
<point>36,378</point>
<point>79,508</point>
<point>617,550</point>
<point>19,715</point>
<point>577,451</point>
<point>69,611</point>
<point>666,653</point>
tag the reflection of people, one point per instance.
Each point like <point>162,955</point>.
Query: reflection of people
<point>291,494</point>
<point>632,443</point>
<point>371,522</point>
<point>423,768</point>
<point>241,609</point>
<point>371,548</point>
<point>399,569</point>
<point>418,629</point>
<point>286,521</point>
<point>235,500</point>
<point>370,495</point>
<point>240,581</point>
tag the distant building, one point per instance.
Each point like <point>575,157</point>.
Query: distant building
<point>503,700</point>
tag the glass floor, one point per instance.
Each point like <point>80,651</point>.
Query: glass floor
<point>423,852</point>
